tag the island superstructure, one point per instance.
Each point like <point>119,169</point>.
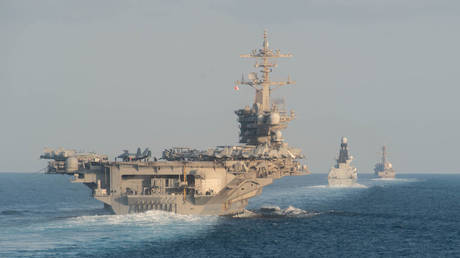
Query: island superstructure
<point>343,174</point>
<point>384,169</point>
<point>217,181</point>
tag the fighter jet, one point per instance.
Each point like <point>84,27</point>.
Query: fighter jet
<point>126,156</point>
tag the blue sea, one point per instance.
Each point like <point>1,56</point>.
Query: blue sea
<point>415,215</point>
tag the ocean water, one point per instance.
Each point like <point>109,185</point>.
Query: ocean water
<point>415,215</point>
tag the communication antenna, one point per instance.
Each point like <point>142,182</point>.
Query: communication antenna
<point>263,87</point>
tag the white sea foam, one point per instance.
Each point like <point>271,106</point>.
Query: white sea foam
<point>396,179</point>
<point>246,214</point>
<point>275,211</point>
<point>146,218</point>
<point>92,230</point>
<point>292,211</point>
<point>355,185</point>
<point>318,186</point>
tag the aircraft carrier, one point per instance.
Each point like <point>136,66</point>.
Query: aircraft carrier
<point>384,169</point>
<point>217,181</point>
<point>343,174</point>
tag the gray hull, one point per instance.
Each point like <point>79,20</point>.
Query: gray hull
<point>231,199</point>
<point>133,187</point>
<point>341,182</point>
<point>384,169</point>
<point>343,174</point>
<point>386,174</point>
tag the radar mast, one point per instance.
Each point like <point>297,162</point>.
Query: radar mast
<point>384,155</point>
<point>262,124</point>
<point>264,85</point>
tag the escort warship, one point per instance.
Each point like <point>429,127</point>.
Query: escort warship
<point>384,169</point>
<point>217,181</point>
<point>343,174</point>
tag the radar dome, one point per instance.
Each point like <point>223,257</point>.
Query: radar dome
<point>275,118</point>
<point>71,164</point>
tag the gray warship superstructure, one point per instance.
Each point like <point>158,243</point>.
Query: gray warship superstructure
<point>384,169</point>
<point>343,174</point>
<point>217,181</point>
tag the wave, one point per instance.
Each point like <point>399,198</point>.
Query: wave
<point>275,212</point>
<point>12,212</point>
<point>318,186</point>
<point>396,179</point>
<point>96,230</point>
<point>153,217</point>
<point>355,185</point>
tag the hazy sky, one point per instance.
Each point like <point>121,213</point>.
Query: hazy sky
<point>110,75</point>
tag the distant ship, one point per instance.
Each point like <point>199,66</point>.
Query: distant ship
<point>384,169</point>
<point>343,174</point>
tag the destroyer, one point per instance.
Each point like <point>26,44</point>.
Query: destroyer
<point>384,169</point>
<point>343,174</point>
<point>217,181</point>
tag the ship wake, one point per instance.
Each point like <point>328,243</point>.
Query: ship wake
<point>276,212</point>
<point>150,218</point>
<point>396,179</point>
<point>110,230</point>
<point>355,185</point>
